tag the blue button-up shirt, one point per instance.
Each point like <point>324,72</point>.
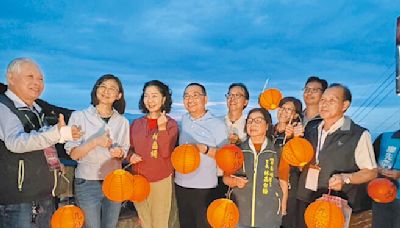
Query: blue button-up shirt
<point>208,130</point>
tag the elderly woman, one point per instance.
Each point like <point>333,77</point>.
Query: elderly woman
<point>153,138</point>
<point>256,186</point>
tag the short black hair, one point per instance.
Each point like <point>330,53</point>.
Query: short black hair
<point>118,105</point>
<point>165,92</point>
<point>346,91</point>
<point>267,117</point>
<point>242,86</point>
<point>203,89</point>
<point>323,82</point>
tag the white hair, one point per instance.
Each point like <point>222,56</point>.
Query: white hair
<point>15,65</point>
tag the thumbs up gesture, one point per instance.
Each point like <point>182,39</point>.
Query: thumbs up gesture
<point>61,121</point>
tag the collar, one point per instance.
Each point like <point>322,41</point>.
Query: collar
<point>93,111</point>
<point>19,103</point>
<point>206,115</point>
<point>342,123</point>
<point>241,119</point>
<point>263,146</point>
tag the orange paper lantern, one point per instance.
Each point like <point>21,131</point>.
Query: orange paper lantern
<point>382,190</point>
<point>298,152</point>
<point>68,216</point>
<point>229,158</point>
<point>185,158</point>
<point>141,188</point>
<point>223,213</point>
<point>118,186</point>
<point>322,213</point>
<point>270,98</point>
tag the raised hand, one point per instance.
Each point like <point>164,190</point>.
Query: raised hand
<point>76,132</point>
<point>104,140</point>
<point>61,121</point>
<point>162,121</point>
<point>135,158</point>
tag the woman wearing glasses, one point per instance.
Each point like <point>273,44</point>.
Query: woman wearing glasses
<point>289,117</point>
<point>100,151</point>
<point>153,138</point>
<point>256,186</point>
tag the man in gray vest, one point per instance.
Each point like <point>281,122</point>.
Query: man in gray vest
<point>27,158</point>
<point>344,158</point>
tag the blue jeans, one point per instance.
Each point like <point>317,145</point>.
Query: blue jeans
<point>386,215</point>
<point>20,215</point>
<point>99,211</point>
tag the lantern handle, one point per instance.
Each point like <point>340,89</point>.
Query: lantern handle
<point>229,193</point>
<point>290,122</point>
<point>265,85</point>
<point>127,166</point>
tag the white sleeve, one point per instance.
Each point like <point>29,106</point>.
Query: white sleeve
<point>364,154</point>
<point>75,119</point>
<point>17,140</point>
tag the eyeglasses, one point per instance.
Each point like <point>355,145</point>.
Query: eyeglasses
<point>234,96</point>
<point>311,90</point>
<point>285,109</point>
<point>193,96</point>
<point>256,120</point>
<point>103,88</point>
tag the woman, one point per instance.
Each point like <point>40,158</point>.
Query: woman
<point>258,194</point>
<point>100,150</point>
<point>289,117</point>
<point>153,138</point>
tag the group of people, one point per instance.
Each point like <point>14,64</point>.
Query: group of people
<point>267,190</point>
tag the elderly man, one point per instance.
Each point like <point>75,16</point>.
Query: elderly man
<point>344,157</point>
<point>27,157</point>
<point>195,191</point>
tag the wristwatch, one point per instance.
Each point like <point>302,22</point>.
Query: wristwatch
<point>346,178</point>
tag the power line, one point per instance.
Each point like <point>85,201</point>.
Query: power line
<point>386,119</point>
<point>380,101</point>
<point>364,106</point>
<point>372,94</point>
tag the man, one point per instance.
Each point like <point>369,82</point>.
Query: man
<point>26,156</point>
<point>344,158</point>
<point>312,93</point>
<point>195,191</point>
<point>237,100</point>
<point>387,150</point>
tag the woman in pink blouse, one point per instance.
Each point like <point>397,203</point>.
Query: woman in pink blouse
<point>153,138</point>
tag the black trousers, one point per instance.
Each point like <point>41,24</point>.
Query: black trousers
<point>192,206</point>
<point>301,209</point>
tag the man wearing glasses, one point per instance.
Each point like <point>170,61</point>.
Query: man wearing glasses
<point>312,92</point>
<point>196,190</point>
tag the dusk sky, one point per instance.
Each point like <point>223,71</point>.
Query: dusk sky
<point>211,42</point>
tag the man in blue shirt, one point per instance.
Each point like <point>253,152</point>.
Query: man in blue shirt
<point>387,150</point>
<point>195,190</point>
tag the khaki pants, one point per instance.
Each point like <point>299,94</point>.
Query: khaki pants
<point>154,211</point>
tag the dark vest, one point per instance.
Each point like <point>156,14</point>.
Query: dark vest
<point>337,156</point>
<point>38,180</point>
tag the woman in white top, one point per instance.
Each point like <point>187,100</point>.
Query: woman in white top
<point>100,150</point>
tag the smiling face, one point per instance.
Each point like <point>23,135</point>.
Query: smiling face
<point>286,112</point>
<point>236,100</point>
<point>332,105</point>
<point>27,83</point>
<point>256,125</point>
<point>195,101</point>
<point>108,92</point>
<point>153,99</point>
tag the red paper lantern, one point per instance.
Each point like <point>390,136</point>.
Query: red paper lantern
<point>68,216</point>
<point>323,214</point>
<point>185,158</point>
<point>229,158</point>
<point>382,190</point>
<point>118,186</point>
<point>298,152</point>
<point>270,99</point>
<point>141,188</point>
<point>223,213</point>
